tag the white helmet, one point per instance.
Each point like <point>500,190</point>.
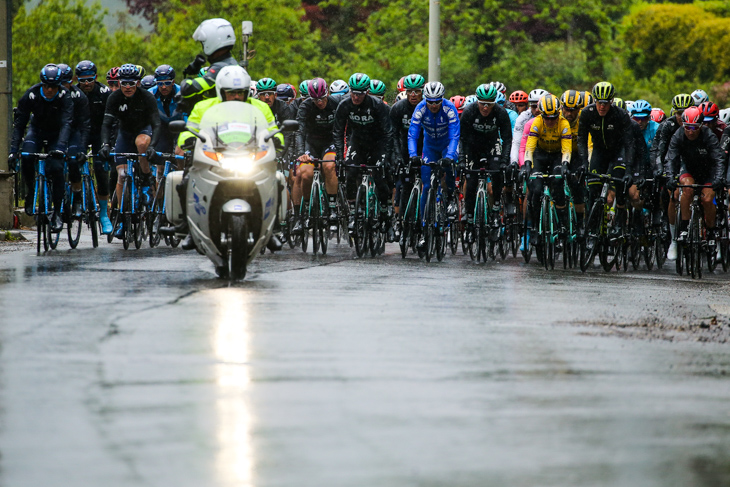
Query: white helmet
<point>725,115</point>
<point>339,86</point>
<point>253,92</point>
<point>433,90</point>
<point>232,78</point>
<point>535,95</point>
<point>401,96</point>
<point>214,34</point>
<point>699,97</point>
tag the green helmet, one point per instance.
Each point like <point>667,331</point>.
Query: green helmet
<point>603,91</point>
<point>486,92</point>
<point>359,82</point>
<point>377,87</point>
<point>682,101</point>
<point>265,84</point>
<point>414,82</point>
<point>304,89</point>
<point>619,102</point>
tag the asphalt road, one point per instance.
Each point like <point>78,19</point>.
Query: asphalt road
<point>140,368</point>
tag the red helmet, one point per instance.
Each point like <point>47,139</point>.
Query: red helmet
<point>112,74</point>
<point>658,115</point>
<point>459,102</point>
<point>692,115</point>
<point>518,97</point>
<point>709,111</point>
<point>400,84</point>
<point>294,88</point>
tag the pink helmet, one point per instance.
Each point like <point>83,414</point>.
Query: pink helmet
<point>317,88</point>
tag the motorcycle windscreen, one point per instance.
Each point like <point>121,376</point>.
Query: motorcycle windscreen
<point>233,125</point>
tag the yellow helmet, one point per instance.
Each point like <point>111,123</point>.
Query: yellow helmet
<point>549,106</point>
<point>587,98</point>
<point>572,99</point>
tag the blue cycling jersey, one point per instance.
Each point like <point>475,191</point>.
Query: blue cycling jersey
<point>441,129</point>
<point>167,107</point>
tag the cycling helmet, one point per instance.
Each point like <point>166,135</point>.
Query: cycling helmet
<point>692,115</point>
<point>51,75</point>
<point>339,87</point>
<point>85,68</point>
<point>725,116</point>
<point>252,91</point>
<point>304,89</point>
<point>112,74</point>
<point>640,108</point>
<point>203,71</point>
<point>377,87</point>
<point>402,96</point>
<point>500,99</point>
<point>571,99</point>
<point>699,97</point>
<point>359,82</point>
<point>620,103</point>
<point>67,73</point>
<point>400,85</point>
<point>535,95</point>
<point>459,102</point>
<point>629,105</point>
<point>587,98</point>
<point>681,101</point>
<point>518,97</point>
<point>709,110</point>
<point>500,86</point>
<point>128,72</point>
<point>434,91</point>
<point>317,88</point>
<point>232,78</point>
<point>284,92</point>
<point>604,91</point>
<point>414,82</point>
<point>487,92</point>
<point>164,72</point>
<point>265,84</point>
<point>142,72</point>
<point>470,99</point>
<point>549,106</point>
<point>658,115</point>
<point>214,34</point>
<point>148,82</point>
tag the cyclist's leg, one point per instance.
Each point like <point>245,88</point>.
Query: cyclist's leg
<point>708,203</point>
<point>540,164</point>
<point>74,171</point>
<point>54,170</point>
<point>125,144</point>
<point>557,190</point>
<point>329,171</point>
<point>142,142</point>
<point>597,165</point>
<point>576,189</point>
<point>686,200</point>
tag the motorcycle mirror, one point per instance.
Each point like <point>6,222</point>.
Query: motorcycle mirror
<point>289,126</point>
<point>177,126</point>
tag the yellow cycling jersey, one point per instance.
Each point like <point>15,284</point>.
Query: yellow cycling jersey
<point>550,139</point>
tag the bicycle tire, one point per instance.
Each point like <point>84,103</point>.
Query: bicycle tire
<point>429,222</point>
<point>41,217</point>
<point>324,227</point>
<point>724,246</point>
<point>73,228</point>
<point>139,230</point>
<point>127,231</point>
<point>660,245</point>
<point>315,214</point>
<point>679,263</point>
<point>408,225</point>
<point>592,239</point>
<point>113,215</point>
<point>360,233</point>
<point>696,239</point>
<point>343,210</point>
<point>649,252</point>
<point>545,237</point>
<point>305,228</point>
<point>711,257</point>
<point>527,252</point>
<point>92,213</point>
<point>51,236</point>
<point>440,231</point>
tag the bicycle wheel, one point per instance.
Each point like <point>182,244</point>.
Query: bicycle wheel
<point>591,242</point>
<point>440,231</point>
<point>545,235</point>
<point>480,229</point>
<point>373,229</point>
<point>527,248</point>
<point>343,211</point>
<point>127,233</point>
<point>73,229</point>
<point>409,223</point>
<point>51,236</point>
<point>306,221</point>
<point>92,212</point>
<point>291,221</point>
<point>453,236</point>
<point>679,263</point>
<point>140,229</point>
<point>503,244</point>
<point>114,216</point>
<point>315,218</point>
<point>324,227</point>
<point>360,234</point>
<point>696,239</point>
<point>40,214</point>
<point>238,247</point>
<point>429,221</point>
<point>711,256</point>
<point>661,243</point>
<point>649,252</point>
<point>155,215</point>
<point>724,246</point>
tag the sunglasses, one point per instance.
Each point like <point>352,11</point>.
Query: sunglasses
<point>433,102</point>
<point>691,127</point>
<point>533,105</point>
<point>603,102</point>
<point>267,93</point>
<point>128,83</point>
<point>486,103</point>
<point>86,80</point>
<point>359,93</point>
<point>164,83</point>
<point>49,87</point>
<point>112,83</point>
<point>414,92</point>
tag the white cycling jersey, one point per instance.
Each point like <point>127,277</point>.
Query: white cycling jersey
<point>514,154</point>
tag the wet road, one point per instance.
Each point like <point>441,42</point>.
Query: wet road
<point>139,368</point>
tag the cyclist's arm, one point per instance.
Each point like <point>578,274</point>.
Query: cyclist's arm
<point>85,116</point>
<point>269,118</point>
<point>532,137</point>
<point>454,132</point>
<point>566,144</point>
<point>628,143</point>
<point>194,119</point>
<point>110,109</point>
<point>583,138</point>
<point>67,115</point>
<point>716,155</point>
<point>20,121</point>
<point>671,161</point>
<point>517,138</point>
<point>301,117</point>
<point>725,144</point>
<point>505,134</point>
<point>414,131</point>
<point>338,131</point>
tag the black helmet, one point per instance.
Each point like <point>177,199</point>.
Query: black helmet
<point>66,73</point>
<point>148,82</point>
<point>51,75</point>
<point>128,71</point>
<point>164,71</point>
<point>284,91</point>
<point>85,68</point>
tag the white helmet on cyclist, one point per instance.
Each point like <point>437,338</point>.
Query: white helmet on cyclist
<point>401,96</point>
<point>699,97</point>
<point>433,91</point>
<point>233,78</point>
<point>535,95</point>
<point>339,87</point>
<point>725,115</point>
<point>215,34</point>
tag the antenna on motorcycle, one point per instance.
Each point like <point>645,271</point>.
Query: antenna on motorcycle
<point>246,33</point>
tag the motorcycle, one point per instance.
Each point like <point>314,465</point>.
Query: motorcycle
<point>233,191</point>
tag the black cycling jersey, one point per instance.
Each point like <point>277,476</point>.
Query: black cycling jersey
<point>315,124</point>
<point>480,134</point>
<point>400,117</point>
<point>80,123</point>
<point>642,165</point>
<point>97,103</point>
<point>366,123</point>
<point>49,117</point>
<point>611,135</point>
<point>661,140</point>
<point>133,113</point>
<point>702,157</point>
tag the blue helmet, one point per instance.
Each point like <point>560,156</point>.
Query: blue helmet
<point>164,72</point>
<point>500,99</point>
<point>86,69</point>
<point>51,75</point>
<point>148,82</point>
<point>284,92</point>
<point>640,108</point>
<point>470,99</point>
<point>67,73</point>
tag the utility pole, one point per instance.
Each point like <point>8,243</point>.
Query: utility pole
<point>434,40</point>
<point>6,108</point>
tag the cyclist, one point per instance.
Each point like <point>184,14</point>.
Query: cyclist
<point>711,114</point>
<point>485,134</point>
<point>165,91</point>
<point>285,93</point>
<point>369,139</point>
<point>438,119</point>
<point>97,94</point>
<point>314,139</point>
<point>658,115</point>
<point>377,89</point>
<point>644,166</point>
<point>695,156</point>
<point>522,119</point>
<point>112,78</point>
<point>400,116</point>
<point>78,141</point>
<point>339,89</point>
<point>148,82</point>
<point>549,149</point>
<point>519,100</point>
<point>459,102</point>
<point>613,145</point>
<point>699,97</point>
<point>266,89</point>
<point>571,103</point>
<point>135,110</point>
<point>49,109</point>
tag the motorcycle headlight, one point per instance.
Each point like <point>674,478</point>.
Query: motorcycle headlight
<point>238,164</point>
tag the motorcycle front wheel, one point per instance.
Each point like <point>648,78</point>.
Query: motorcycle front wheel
<point>237,247</point>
